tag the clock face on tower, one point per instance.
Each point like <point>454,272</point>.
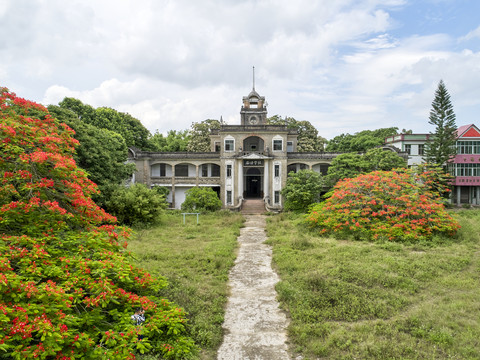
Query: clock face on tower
<point>253,120</point>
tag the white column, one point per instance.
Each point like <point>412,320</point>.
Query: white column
<point>240,178</point>
<point>266,179</point>
<point>196,175</point>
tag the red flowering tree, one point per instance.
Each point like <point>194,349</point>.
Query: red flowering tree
<point>67,284</point>
<point>395,205</point>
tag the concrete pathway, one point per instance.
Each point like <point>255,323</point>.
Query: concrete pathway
<point>255,327</point>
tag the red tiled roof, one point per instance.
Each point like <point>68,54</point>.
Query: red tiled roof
<point>468,131</point>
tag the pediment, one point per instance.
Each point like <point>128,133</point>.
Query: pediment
<point>472,132</point>
<point>254,156</point>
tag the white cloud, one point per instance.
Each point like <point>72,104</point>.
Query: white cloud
<point>343,65</point>
<point>471,35</point>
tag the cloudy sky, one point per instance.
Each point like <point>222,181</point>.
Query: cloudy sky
<point>343,65</point>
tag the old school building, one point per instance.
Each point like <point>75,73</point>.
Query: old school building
<point>247,161</point>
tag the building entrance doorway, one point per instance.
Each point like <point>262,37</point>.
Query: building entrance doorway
<point>253,184</point>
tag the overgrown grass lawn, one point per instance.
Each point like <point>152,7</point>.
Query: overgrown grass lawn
<point>196,260</point>
<point>361,300</point>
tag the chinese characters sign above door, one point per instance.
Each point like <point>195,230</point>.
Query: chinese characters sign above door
<point>252,162</point>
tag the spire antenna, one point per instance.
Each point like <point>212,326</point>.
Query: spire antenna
<point>254,78</point>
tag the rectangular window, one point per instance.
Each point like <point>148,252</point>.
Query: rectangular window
<point>217,146</point>
<point>408,149</point>
<point>277,170</point>
<point>289,146</point>
<point>181,170</point>
<point>229,197</point>
<point>277,145</point>
<point>467,170</point>
<point>468,147</point>
<point>204,170</point>
<point>324,169</point>
<point>421,149</point>
<point>158,170</point>
<point>277,197</point>
<point>229,145</point>
<point>229,171</point>
<point>215,170</point>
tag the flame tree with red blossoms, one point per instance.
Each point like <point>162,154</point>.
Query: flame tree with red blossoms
<point>67,283</point>
<point>397,205</point>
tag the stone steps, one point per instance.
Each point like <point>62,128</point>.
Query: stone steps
<point>253,206</point>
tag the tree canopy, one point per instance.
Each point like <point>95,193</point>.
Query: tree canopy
<point>360,141</point>
<point>130,128</point>
<point>349,165</point>
<point>442,146</point>
<point>67,284</point>
<point>174,141</point>
<point>101,152</point>
<point>200,135</point>
<point>308,138</point>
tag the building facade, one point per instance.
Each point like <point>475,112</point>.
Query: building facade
<point>249,160</point>
<point>465,166</point>
<point>411,144</point>
<point>252,160</point>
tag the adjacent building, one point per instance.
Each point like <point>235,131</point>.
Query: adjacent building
<point>411,144</point>
<point>465,166</point>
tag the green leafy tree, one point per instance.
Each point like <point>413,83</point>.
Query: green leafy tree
<point>384,205</point>
<point>308,138</point>
<point>83,111</point>
<point>67,284</point>
<point>130,128</point>
<point>102,153</point>
<point>442,147</point>
<point>200,135</point>
<point>352,164</point>
<point>201,199</point>
<point>302,189</point>
<point>136,204</point>
<point>174,141</point>
<point>361,141</point>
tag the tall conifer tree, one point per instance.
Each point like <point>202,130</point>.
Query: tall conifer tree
<point>442,147</point>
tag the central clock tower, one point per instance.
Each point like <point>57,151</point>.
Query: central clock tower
<point>254,110</point>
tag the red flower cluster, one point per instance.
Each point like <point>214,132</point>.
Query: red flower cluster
<point>67,284</point>
<point>393,205</point>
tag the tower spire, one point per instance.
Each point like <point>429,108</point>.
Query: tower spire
<point>254,78</point>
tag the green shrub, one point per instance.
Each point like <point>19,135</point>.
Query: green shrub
<point>302,189</point>
<point>201,199</point>
<point>136,204</point>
